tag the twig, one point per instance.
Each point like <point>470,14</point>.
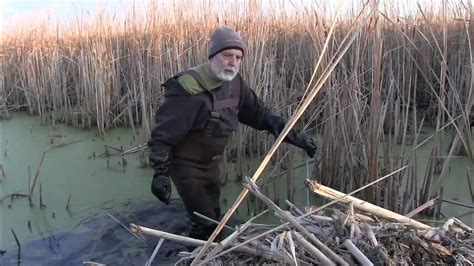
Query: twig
<point>2,170</point>
<point>139,237</point>
<point>422,207</point>
<point>155,251</point>
<point>293,207</point>
<point>250,185</point>
<point>371,235</point>
<point>113,148</point>
<point>224,243</point>
<point>458,203</point>
<point>92,263</point>
<point>37,174</point>
<point>61,145</point>
<point>462,225</point>
<point>347,243</point>
<point>10,195</point>
<point>211,220</point>
<point>68,201</point>
<point>470,187</point>
<point>42,205</point>
<point>292,248</point>
<point>135,149</point>
<point>196,242</point>
<point>16,239</point>
<point>323,260</point>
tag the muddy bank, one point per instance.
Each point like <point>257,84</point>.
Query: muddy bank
<point>103,239</point>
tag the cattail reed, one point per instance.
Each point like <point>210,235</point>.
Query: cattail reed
<point>402,72</point>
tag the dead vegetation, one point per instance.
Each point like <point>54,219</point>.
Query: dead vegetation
<point>342,235</point>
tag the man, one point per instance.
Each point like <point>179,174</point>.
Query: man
<point>202,107</point>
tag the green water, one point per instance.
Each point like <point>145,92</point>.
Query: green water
<point>96,183</point>
<point>67,171</point>
<point>93,184</point>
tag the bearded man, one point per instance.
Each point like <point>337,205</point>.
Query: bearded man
<point>202,107</point>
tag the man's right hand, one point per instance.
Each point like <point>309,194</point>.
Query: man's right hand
<point>161,187</point>
<point>160,157</point>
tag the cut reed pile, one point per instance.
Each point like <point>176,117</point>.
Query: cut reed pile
<point>344,236</point>
<point>400,74</point>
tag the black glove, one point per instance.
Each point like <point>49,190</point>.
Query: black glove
<point>275,125</point>
<point>161,187</point>
<point>303,141</point>
<point>160,157</point>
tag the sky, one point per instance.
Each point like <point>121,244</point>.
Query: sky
<point>14,11</point>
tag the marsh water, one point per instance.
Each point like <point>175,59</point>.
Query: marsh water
<point>89,194</point>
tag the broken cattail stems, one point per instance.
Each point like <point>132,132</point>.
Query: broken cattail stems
<point>135,149</point>
<point>365,218</point>
<point>462,225</point>
<point>363,260</point>
<point>226,242</point>
<point>323,260</point>
<point>293,207</point>
<point>250,185</point>
<point>37,174</point>
<point>177,238</point>
<point>364,205</point>
<point>196,242</point>
<point>422,207</point>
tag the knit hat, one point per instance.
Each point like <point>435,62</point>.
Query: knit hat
<point>224,38</point>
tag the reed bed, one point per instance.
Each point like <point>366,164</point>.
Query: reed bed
<point>401,74</point>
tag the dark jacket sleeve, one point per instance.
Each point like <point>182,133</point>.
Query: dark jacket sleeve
<point>175,117</point>
<point>252,111</point>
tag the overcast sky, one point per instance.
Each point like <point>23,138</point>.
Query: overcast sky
<point>14,11</point>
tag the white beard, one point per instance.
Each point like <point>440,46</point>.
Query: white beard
<point>223,75</point>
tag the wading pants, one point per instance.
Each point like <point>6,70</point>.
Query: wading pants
<point>199,188</point>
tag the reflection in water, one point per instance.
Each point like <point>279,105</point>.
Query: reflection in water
<point>102,239</point>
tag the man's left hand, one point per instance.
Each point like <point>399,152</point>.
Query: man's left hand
<point>303,141</point>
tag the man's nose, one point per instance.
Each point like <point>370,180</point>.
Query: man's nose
<point>233,61</point>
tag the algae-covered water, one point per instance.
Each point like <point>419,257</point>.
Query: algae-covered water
<point>85,193</point>
<point>79,182</point>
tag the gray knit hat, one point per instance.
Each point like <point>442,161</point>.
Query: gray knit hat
<point>225,38</point>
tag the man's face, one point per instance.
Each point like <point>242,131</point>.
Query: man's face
<point>225,65</point>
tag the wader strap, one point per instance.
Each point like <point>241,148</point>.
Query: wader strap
<point>231,102</point>
<point>201,83</point>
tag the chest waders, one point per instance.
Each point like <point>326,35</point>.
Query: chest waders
<point>195,169</point>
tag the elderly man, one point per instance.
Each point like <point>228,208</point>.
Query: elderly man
<point>202,107</point>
